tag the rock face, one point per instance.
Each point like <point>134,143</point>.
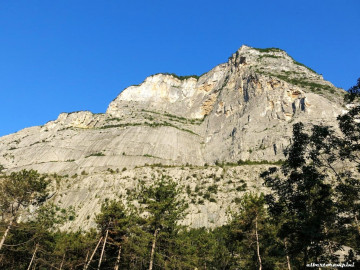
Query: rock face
<point>243,109</point>
<point>209,191</point>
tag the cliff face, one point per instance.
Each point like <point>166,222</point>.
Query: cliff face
<point>242,109</point>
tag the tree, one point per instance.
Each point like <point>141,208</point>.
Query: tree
<point>315,197</point>
<point>164,209</point>
<point>252,235</point>
<point>73,248</point>
<point>348,187</point>
<point>18,190</point>
<point>304,198</point>
<point>34,239</point>
<point>115,221</point>
<point>353,93</point>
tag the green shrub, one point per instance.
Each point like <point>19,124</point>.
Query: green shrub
<point>188,190</point>
<point>180,77</point>
<point>207,196</point>
<point>300,64</point>
<point>242,187</point>
<point>252,162</point>
<point>99,154</point>
<point>265,50</point>
<point>213,189</point>
<point>268,56</point>
<point>237,200</point>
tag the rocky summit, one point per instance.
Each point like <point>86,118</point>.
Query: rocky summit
<point>240,112</point>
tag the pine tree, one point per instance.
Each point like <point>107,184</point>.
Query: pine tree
<point>252,235</point>
<point>115,221</point>
<point>164,209</point>
<point>304,198</point>
<point>348,186</point>
<point>18,190</point>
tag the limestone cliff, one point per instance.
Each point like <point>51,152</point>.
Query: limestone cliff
<point>243,109</point>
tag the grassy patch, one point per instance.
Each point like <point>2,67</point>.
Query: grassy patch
<point>254,162</point>
<point>300,64</point>
<point>113,119</point>
<point>268,56</point>
<point>177,118</point>
<point>266,50</point>
<point>150,156</point>
<point>149,125</point>
<point>251,162</point>
<point>121,125</point>
<point>99,154</point>
<point>143,110</point>
<point>180,77</point>
<point>315,87</point>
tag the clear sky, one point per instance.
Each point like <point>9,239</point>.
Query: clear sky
<point>65,55</point>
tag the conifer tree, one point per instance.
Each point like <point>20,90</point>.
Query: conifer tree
<point>164,207</point>
<point>348,186</point>
<point>18,190</point>
<point>116,221</point>
<point>304,197</point>
<point>252,235</point>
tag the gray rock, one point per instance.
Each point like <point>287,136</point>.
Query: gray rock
<point>243,109</point>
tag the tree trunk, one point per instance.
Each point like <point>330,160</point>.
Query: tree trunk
<point>6,232</point>
<point>257,243</point>
<point>92,255</point>
<point>118,259</point>
<point>357,223</point>
<point>87,256</point>
<point>305,257</point>
<point>287,256</point>
<point>153,249</point>
<point>103,249</point>
<point>62,262</point>
<point>33,257</point>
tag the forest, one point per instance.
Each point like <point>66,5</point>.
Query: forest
<point>309,217</point>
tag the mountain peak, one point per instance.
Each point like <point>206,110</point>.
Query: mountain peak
<point>258,56</point>
<point>240,110</point>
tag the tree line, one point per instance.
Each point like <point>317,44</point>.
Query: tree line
<point>310,215</point>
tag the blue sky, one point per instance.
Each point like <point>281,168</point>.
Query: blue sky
<point>62,56</point>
